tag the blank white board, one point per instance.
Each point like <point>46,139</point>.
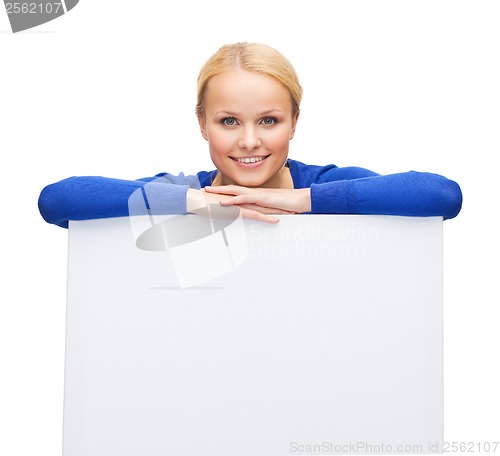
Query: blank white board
<point>321,334</point>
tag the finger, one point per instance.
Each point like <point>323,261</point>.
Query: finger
<point>266,210</point>
<point>246,213</point>
<point>241,199</point>
<point>255,215</point>
<point>210,191</point>
<point>251,202</point>
<point>225,189</point>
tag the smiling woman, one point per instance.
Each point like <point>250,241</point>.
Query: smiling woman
<point>248,123</point>
<point>248,108</point>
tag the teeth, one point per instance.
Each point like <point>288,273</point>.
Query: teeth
<point>250,160</point>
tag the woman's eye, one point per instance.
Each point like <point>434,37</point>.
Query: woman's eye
<point>229,121</point>
<point>268,121</point>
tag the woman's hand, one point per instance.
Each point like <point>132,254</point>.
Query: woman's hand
<point>199,199</point>
<point>264,200</point>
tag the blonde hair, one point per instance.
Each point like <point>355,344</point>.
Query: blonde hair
<point>254,57</point>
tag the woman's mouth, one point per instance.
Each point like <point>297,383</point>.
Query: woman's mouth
<point>250,162</point>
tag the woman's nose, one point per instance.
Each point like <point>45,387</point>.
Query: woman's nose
<point>249,139</point>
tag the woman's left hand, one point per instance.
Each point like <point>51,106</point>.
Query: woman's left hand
<point>265,200</point>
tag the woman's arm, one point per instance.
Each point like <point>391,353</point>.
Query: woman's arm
<point>410,194</point>
<point>92,197</point>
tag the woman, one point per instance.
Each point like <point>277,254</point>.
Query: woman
<point>248,107</point>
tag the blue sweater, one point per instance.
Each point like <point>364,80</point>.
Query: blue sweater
<point>334,190</point>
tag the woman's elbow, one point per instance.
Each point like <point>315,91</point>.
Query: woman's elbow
<point>451,199</point>
<point>52,203</point>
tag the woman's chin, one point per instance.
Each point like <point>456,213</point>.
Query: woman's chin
<point>244,179</point>
<point>253,181</point>
<point>249,183</point>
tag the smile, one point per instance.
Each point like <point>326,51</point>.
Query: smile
<point>250,159</point>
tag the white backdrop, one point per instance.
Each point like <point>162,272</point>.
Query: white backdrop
<point>109,89</point>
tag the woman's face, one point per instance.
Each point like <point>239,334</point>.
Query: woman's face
<point>248,124</point>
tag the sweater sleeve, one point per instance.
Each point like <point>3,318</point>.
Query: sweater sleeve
<point>409,194</point>
<point>92,197</point>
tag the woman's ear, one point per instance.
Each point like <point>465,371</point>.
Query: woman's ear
<point>294,123</point>
<point>203,130</point>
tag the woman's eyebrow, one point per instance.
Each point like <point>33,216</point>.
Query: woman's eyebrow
<point>270,111</point>
<point>227,113</point>
<point>236,114</point>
